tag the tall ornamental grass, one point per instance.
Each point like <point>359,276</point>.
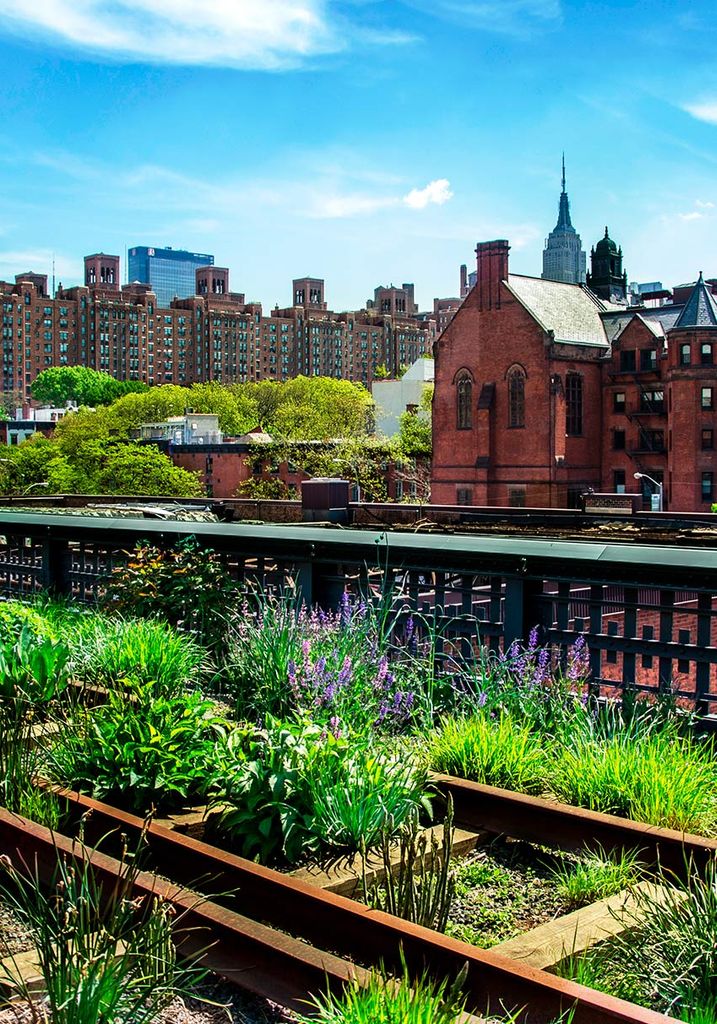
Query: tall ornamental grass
<point>497,752</point>
<point>660,778</point>
<point>115,652</point>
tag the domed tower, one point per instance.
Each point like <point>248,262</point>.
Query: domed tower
<point>563,255</point>
<point>606,277</point>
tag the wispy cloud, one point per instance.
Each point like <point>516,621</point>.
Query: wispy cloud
<point>267,34</point>
<point>512,17</point>
<point>39,261</point>
<point>705,111</point>
<point>435,193</point>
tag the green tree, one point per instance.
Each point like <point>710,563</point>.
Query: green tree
<point>61,384</point>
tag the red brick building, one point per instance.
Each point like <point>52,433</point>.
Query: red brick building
<point>544,390</point>
<point>211,335</point>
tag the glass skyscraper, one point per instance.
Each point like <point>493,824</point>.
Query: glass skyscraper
<point>170,272</point>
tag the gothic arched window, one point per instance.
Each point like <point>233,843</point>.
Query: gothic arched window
<point>516,398</point>
<point>464,403</point>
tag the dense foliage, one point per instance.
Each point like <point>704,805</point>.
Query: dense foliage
<point>81,385</point>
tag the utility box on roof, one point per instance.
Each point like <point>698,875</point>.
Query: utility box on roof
<point>325,499</point>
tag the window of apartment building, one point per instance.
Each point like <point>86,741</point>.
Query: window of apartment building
<point>516,398</point>
<point>516,497</point>
<point>708,440</point>
<point>464,496</point>
<point>627,360</point>
<point>648,359</point>
<point>652,401</point>
<point>707,486</point>
<point>706,353</point>
<point>618,481</point>
<point>574,404</point>
<point>618,440</point>
<point>464,403</point>
<point>618,401</point>
<point>706,398</point>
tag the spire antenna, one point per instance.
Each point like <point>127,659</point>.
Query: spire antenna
<point>563,170</point>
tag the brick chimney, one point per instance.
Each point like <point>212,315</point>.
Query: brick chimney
<point>464,281</point>
<point>492,268</point>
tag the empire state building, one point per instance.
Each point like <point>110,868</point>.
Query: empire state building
<point>563,255</point>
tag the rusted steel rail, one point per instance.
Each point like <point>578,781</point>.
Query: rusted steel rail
<point>573,828</point>
<point>351,929</point>
<point>245,952</point>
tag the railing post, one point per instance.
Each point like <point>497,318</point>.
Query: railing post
<point>524,609</point>
<point>56,563</point>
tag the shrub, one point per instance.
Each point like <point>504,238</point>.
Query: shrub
<point>293,790</point>
<point>496,752</point>
<point>660,778</point>
<point>16,617</point>
<point>109,651</point>
<point>188,585</point>
<point>347,668</point>
<point>144,751</point>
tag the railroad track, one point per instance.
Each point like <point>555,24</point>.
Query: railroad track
<point>283,938</point>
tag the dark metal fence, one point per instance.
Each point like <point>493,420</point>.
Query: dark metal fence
<point>647,612</point>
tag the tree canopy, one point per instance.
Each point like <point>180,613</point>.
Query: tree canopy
<point>59,385</point>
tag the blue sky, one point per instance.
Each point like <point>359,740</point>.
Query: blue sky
<point>363,141</point>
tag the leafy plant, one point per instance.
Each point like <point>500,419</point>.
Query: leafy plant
<point>595,876</point>
<point>421,887</point>
<point>112,651</point>
<point>496,752</point>
<point>188,585</point>
<point>104,955</point>
<point>33,674</point>
<point>16,617</point>
<point>145,751</point>
<point>295,789</point>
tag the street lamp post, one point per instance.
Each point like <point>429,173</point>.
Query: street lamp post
<point>657,484</point>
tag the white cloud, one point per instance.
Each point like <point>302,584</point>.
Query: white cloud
<point>339,205</point>
<point>38,261</point>
<point>436,192</point>
<point>232,33</point>
<point>707,205</point>
<point>692,215</point>
<point>703,111</point>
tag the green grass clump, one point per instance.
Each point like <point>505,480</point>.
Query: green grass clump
<point>595,876</point>
<point>16,617</point>
<point>498,752</point>
<point>659,778</point>
<point>112,651</point>
<point>381,999</point>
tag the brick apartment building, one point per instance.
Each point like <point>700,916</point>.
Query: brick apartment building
<point>545,389</point>
<point>213,334</point>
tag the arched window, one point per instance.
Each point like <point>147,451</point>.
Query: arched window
<point>516,398</point>
<point>464,403</point>
<point>573,404</point>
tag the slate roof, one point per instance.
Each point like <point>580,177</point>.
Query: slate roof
<point>700,310</point>
<point>570,311</point>
<point>659,320</point>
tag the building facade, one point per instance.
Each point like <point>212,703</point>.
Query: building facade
<point>169,272</point>
<point>545,390</point>
<point>212,334</point>
<point>563,256</point>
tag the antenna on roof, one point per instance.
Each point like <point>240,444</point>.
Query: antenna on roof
<point>53,275</point>
<point>563,170</point>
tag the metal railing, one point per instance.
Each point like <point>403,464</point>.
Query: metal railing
<point>647,612</point>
